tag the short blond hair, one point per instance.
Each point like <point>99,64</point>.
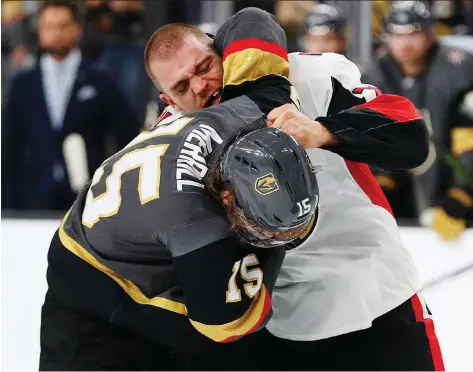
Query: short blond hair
<point>166,40</point>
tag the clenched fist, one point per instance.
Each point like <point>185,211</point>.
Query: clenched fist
<point>309,133</point>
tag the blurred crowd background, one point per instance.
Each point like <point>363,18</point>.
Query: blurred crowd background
<point>74,87</point>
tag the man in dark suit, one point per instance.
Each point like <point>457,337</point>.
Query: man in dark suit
<point>58,118</point>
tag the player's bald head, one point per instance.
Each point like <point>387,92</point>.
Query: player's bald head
<point>167,40</point>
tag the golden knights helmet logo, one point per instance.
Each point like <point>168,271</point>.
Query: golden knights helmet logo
<point>266,184</point>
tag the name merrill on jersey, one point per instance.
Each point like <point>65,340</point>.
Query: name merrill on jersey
<point>191,164</point>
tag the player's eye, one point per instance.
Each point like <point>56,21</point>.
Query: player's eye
<point>181,88</point>
<point>204,68</point>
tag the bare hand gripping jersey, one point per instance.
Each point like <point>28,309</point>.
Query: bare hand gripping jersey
<point>146,247</point>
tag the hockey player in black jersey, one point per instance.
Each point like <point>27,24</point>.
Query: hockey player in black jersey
<point>137,259</point>
<point>145,262</point>
<point>379,129</point>
<point>346,296</point>
<point>439,81</point>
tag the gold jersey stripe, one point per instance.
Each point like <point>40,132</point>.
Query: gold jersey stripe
<point>239,327</point>
<point>461,196</point>
<point>251,64</point>
<point>386,182</point>
<point>462,140</point>
<point>129,287</point>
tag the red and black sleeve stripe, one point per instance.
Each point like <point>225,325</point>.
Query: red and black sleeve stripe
<point>386,132</point>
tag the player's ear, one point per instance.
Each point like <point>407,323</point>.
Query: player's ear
<point>168,100</point>
<point>225,196</point>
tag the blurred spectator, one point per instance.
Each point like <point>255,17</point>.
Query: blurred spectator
<point>380,9</point>
<point>114,38</point>
<point>186,11</point>
<point>290,15</point>
<point>57,117</point>
<point>98,22</point>
<point>451,17</point>
<point>18,39</point>
<point>267,5</point>
<point>467,11</point>
<point>452,20</point>
<point>324,31</point>
<point>439,80</point>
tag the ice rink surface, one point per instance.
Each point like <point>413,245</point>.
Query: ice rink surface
<point>24,249</point>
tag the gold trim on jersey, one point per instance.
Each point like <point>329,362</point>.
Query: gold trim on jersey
<point>461,196</point>
<point>129,287</point>
<point>251,64</point>
<point>386,182</point>
<point>239,327</point>
<point>462,140</point>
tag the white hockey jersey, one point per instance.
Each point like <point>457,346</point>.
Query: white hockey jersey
<point>354,266</point>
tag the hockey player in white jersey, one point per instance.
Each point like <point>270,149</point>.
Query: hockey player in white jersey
<point>346,297</point>
<point>347,294</point>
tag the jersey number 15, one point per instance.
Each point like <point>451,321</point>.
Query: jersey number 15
<point>253,277</point>
<point>147,159</point>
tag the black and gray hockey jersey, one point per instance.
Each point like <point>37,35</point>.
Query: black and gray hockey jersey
<point>145,246</point>
<point>443,95</point>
